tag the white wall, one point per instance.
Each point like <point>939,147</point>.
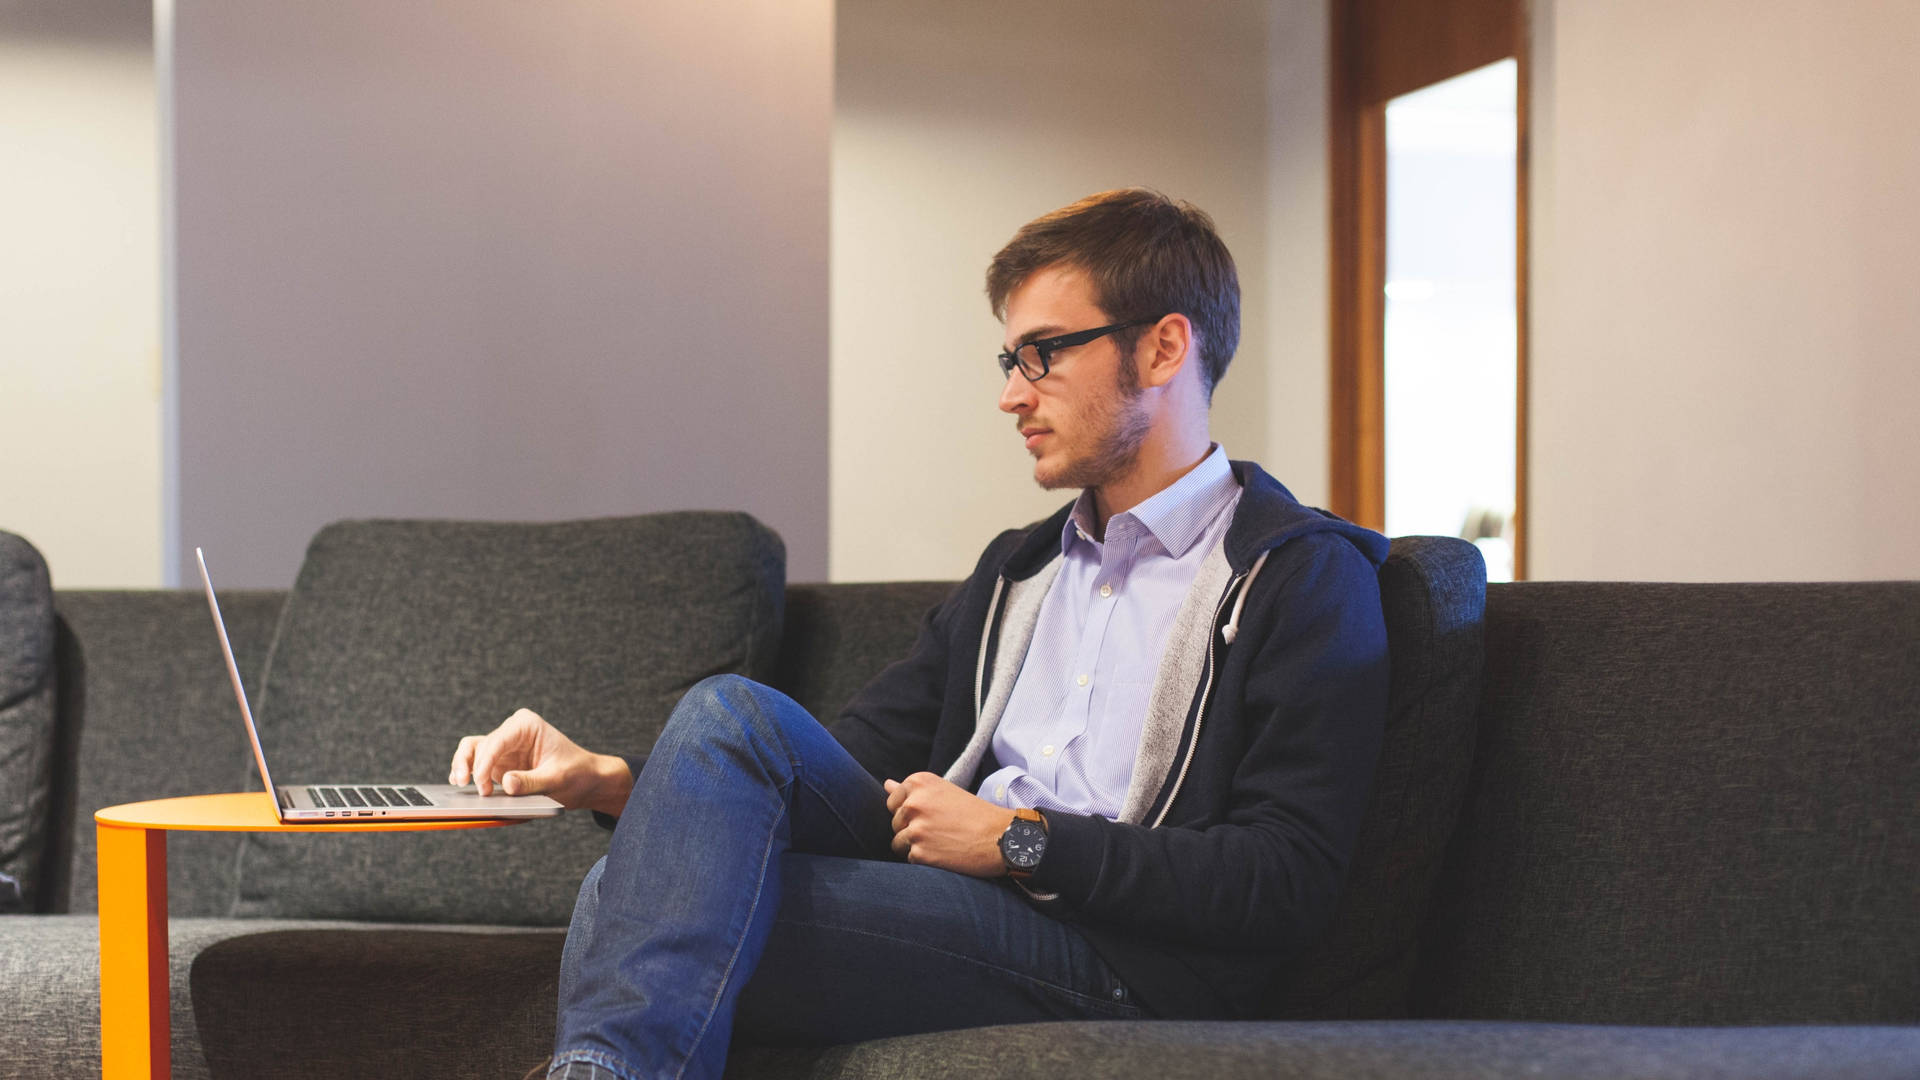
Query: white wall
<point>957,123</point>
<point>79,290</point>
<point>1726,358</point>
<point>498,259</point>
<point>1297,420</point>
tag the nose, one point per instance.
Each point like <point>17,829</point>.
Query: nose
<point>1018,394</point>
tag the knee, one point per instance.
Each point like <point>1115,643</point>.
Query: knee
<point>725,707</point>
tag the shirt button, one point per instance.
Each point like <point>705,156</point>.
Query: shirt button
<point>1082,680</point>
<point>1106,590</point>
<point>1000,793</point>
<point>1046,751</point>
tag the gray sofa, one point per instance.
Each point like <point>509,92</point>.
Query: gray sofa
<point>1617,830</point>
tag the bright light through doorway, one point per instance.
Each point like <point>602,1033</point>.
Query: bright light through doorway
<point>1450,323</point>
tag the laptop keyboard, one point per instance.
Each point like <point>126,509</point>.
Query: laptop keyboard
<point>367,796</point>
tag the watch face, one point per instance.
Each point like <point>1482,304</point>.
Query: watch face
<point>1023,844</point>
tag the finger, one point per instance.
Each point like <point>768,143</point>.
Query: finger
<point>896,794</point>
<point>462,760</point>
<point>899,820</point>
<point>900,845</point>
<point>535,781</point>
<point>485,759</point>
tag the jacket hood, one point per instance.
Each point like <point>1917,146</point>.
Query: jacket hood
<point>1267,517</point>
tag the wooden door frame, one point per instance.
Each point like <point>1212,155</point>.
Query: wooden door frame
<point>1378,50</point>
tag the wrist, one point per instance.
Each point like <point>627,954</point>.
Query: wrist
<point>613,782</point>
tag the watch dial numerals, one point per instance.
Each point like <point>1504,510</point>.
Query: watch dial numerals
<point>1023,845</point>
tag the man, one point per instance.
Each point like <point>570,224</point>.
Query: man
<point>1119,774</point>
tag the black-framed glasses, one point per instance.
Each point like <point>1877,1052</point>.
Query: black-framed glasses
<point>1035,358</point>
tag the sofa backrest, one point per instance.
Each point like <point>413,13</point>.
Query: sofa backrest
<point>838,637</point>
<point>1432,595</point>
<point>26,721</point>
<point>1691,804</point>
<point>401,636</point>
<point>146,712</point>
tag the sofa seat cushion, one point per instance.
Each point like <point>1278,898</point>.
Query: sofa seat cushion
<point>399,637</point>
<point>26,721</point>
<point>275,998</point>
<point>1348,1050</point>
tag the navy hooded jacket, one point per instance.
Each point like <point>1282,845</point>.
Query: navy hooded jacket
<point>1240,860</point>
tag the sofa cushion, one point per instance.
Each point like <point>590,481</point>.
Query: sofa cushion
<point>147,712</point>
<point>401,636</point>
<point>838,637</point>
<point>1394,1050</point>
<point>311,998</point>
<point>1432,595</point>
<point>331,1001</point>
<point>26,721</point>
<point>1692,804</point>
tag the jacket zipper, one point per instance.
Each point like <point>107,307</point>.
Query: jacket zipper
<point>1200,716</point>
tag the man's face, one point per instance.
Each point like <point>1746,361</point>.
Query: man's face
<point>1084,422</point>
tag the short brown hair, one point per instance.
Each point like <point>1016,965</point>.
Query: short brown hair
<point>1148,256</point>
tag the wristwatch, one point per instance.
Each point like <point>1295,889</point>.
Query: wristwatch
<point>1024,844</point>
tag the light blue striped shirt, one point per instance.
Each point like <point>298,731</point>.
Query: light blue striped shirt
<point>1072,725</point>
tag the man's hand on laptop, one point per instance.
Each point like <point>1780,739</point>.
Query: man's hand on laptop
<point>525,755</point>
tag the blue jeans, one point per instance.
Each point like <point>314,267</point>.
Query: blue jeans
<point>751,883</point>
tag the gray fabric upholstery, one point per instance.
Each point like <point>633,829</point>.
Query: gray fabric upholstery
<point>26,721</point>
<point>402,636</point>
<point>147,712</point>
<point>838,637</point>
<point>1391,1050</point>
<point>327,1002</point>
<point>1433,596</point>
<point>1692,804</point>
<point>483,1002</point>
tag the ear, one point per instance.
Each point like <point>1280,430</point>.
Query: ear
<point>1164,350</point>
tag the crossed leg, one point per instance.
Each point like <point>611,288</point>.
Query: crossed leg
<point>751,880</point>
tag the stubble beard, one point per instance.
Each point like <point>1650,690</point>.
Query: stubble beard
<point>1123,424</point>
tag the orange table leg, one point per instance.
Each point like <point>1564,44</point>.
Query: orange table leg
<point>136,1037</point>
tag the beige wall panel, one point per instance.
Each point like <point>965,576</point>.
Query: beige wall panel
<point>1726,364</point>
<point>80,380</point>
<point>499,259</point>
<point>955,124</point>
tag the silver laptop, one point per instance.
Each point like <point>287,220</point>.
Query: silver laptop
<point>318,802</point>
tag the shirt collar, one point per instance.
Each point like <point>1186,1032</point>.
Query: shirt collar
<point>1176,515</point>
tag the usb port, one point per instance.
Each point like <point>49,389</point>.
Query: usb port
<point>366,813</point>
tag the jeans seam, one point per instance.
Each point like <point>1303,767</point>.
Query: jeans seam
<point>733,959</point>
<point>599,1059</point>
<point>1076,995</point>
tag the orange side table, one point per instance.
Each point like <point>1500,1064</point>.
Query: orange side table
<point>136,1026</point>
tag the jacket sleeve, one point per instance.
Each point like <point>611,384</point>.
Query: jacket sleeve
<point>1314,710</point>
